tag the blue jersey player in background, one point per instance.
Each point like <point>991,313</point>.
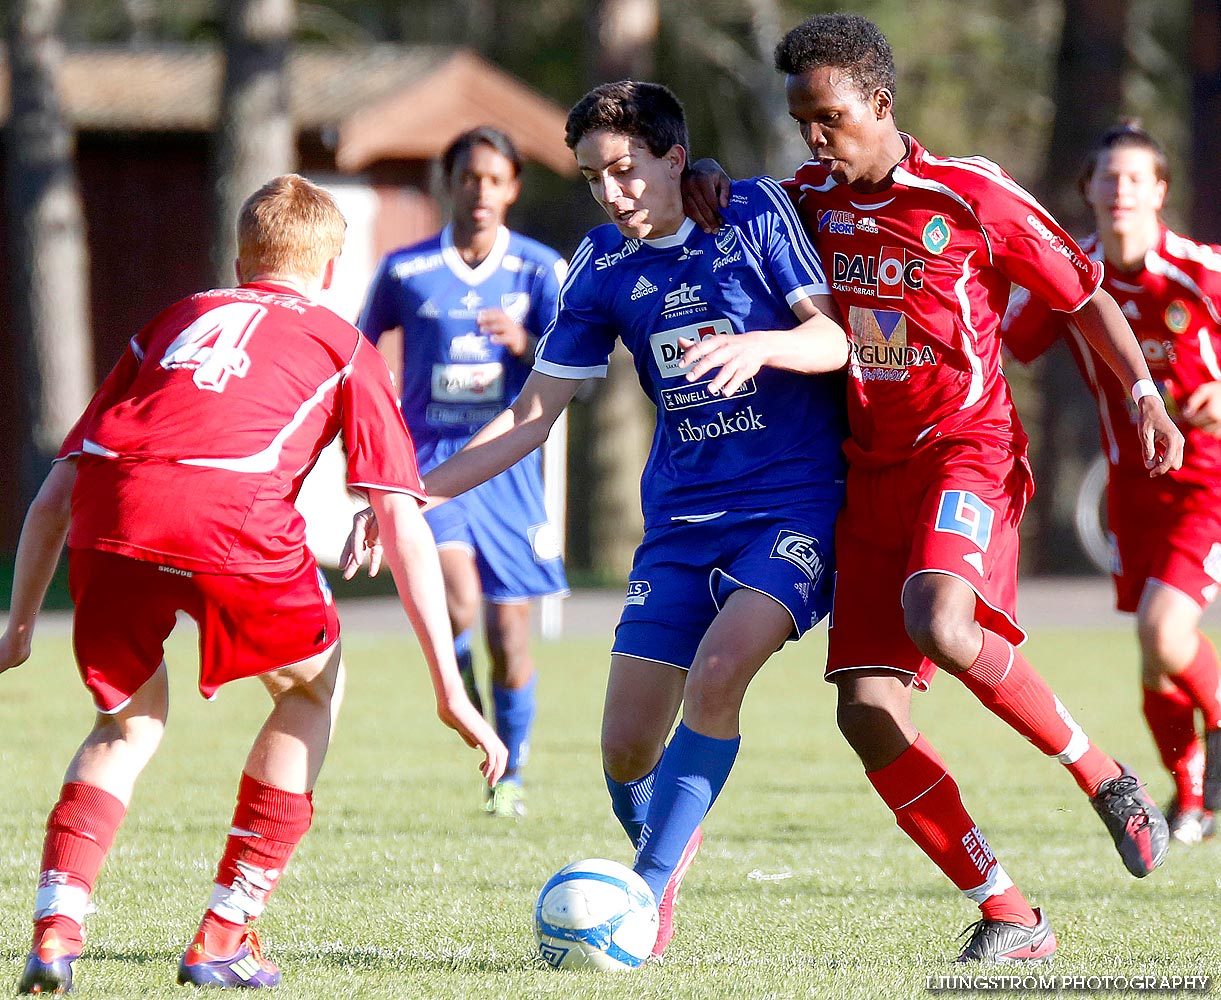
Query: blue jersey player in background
<point>472,302</point>
<point>745,476</point>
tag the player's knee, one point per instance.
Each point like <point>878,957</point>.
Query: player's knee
<point>1165,648</point>
<point>864,722</point>
<point>714,687</point>
<point>140,734</point>
<point>943,636</point>
<point>627,756</point>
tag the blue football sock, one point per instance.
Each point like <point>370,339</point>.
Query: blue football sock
<point>466,667</point>
<point>514,708</point>
<point>630,802</point>
<point>692,772</point>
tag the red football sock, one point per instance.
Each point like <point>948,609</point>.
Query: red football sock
<point>928,808</point>
<point>80,830</point>
<point>268,823</point>
<point>1201,682</point>
<point>1172,721</point>
<point>1008,686</point>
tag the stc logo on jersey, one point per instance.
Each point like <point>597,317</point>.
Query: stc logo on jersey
<point>683,301</point>
<point>888,275</point>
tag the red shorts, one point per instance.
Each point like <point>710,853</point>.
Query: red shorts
<point>954,509</point>
<point>1164,531</point>
<point>248,623</point>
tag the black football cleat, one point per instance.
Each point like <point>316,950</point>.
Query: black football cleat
<point>1137,826</point>
<point>1001,943</point>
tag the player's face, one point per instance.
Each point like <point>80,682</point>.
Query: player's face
<point>1124,190</point>
<point>641,193</point>
<point>844,128</point>
<point>482,187</point>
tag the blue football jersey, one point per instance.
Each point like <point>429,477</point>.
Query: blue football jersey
<point>455,379</point>
<point>777,439</point>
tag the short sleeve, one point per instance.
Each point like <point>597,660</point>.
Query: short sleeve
<point>113,388</point>
<point>790,256</point>
<point>579,341</point>
<point>546,296</point>
<point>381,454</point>
<point>1030,326</point>
<point>380,313</point>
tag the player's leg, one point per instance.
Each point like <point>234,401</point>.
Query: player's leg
<point>1180,675</point>
<point>462,595</point>
<point>274,810</point>
<point>513,684</point>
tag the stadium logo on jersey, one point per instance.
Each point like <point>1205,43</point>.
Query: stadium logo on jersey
<point>1057,244</point>
<point>1177,317</point>
<point>683,300</point>
<point>726,238</point>
<point>516,304</point>
<point>417,265</point>
<point>880,351</point>
<point>215,345</point>
<point>963,513</point>
<point>643,287</point>
<point>470,347</point>
<point>637,591</point>
<point>832,220</point>
<point>936,235</point>
<point>802,551</point>
<point>722,425</point>
<point>867,224</point>
<point>667,352</point>
<point>611,259</point>
<point>888,275</point>
<point>428,310</point>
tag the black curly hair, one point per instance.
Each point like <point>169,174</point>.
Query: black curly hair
<point>846,41</point>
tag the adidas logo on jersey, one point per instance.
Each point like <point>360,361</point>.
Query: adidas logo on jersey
<point>428,310</point>
<point>643,287</point>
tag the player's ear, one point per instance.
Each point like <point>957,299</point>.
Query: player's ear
<point>328,273</point>
<point>883,103</point>
<point>676,158</point>
<point>237,270</point>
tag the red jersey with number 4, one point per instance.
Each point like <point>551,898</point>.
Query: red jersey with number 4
<point>194,448</point>
<point>1174,306</point>
<point>922,271</point>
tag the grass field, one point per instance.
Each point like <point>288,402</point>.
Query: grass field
<point>805,888</point>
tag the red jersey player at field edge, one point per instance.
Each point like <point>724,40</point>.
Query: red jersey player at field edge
<point>188,461</point>
<point>923,250</point>
<point>1166,532</point>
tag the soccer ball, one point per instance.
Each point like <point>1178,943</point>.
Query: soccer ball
<point>595,914</point>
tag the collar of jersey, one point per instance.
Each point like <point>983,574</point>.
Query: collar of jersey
<point>485,268</point>
<point>673,240</point>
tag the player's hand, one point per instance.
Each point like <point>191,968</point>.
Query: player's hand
<point>1161,441</point>
<point>1203,408</point>
<point>454,709</point>
<point>739,357</point>
<point>14,649</point>
<point>504,330</point>
<point>363,540</point>
<point>705,193</point>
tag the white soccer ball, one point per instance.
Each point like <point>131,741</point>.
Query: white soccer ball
<point>595,914</point>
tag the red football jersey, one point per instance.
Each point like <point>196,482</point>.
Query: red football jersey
<point>194,448</point>
<point>1174,306</point>
<point>922,272</point>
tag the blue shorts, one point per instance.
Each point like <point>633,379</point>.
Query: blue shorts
<point>683,574</point>
<point>503,524</point>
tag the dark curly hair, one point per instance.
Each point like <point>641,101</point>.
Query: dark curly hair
<point>1127,134</point>
<point>846,41</point>
<point>645,111</point>
<point>485,135</point>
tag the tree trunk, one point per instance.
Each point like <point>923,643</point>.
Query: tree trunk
<point>1205,54</point>
<point>620,419</point>
<point>1088,96</point>
<point>256,139</point>
<point>48,265</point>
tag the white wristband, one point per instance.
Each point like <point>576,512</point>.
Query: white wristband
<point>1144,387</point>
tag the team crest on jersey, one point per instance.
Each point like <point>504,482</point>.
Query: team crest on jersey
<point>1177,317</point>
<point>637,591</point>
<point>963,513</point>
<point>516,304</point>
<point>215,345</point>
<point>936,235</point>
<point>726,239</point>
<point>880,351</point>
<point>800,550</point>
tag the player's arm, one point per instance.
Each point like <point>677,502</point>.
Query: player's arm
<point>1106,329</point>
<point>705,193</point>
<point>42,540</point>
<point>1202,408</point>
<point>817,344</point>
<point>411,551</point>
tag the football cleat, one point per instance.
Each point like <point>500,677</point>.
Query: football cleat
<point>665,905</point>
<point>1135,823</point>
<point>246,968</point>
<point>1001,942</point>
<point>1189,826</point>
<point>1212,770</point>
<point>507,800</point>
<point>49,967</point>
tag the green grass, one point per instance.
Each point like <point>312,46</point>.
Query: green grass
<point>403,889</point>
